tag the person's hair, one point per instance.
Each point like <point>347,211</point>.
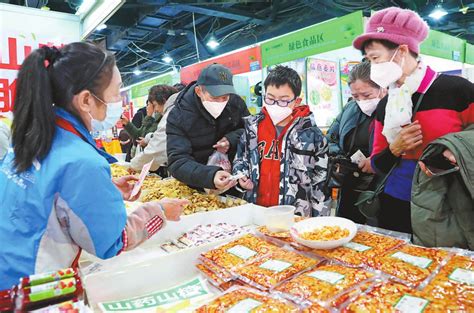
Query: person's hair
<point>161,93</point>
<point>52,77</point>
<point>282,75</point>
<point>386,43</point>
<point>361,72</point>
<point>179,86</point>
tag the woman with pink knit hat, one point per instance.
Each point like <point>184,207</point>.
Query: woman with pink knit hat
<point>421,106</point>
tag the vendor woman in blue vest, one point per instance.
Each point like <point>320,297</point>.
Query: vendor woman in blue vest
<point>56,192</point>
<point>352,131</point>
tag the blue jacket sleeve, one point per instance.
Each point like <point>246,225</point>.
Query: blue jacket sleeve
<point>95,207</point>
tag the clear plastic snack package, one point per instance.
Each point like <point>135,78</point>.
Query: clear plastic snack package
<point>239,252</point>
<point>216,281</point>
<point>393,297</point>
<point>241,299</point>
<point>454,284</point>
<point>327,285</point>
<point>275,268</point>
<point>364,246</point>
<point>410,265</point>
<point>223,274</point>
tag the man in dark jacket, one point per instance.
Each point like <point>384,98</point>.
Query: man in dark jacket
<point>207,117</point>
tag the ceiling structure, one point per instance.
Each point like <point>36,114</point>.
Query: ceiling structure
<point>142,32</point>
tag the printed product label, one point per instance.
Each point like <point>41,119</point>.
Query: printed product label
<point>410,304</point>
<point>244,306</point>
<point>413,260</point>
<point>357,246</point>
<point>327,276</point>
<point>242,252</point>
<point>463,276</point>
<point>275,265</point>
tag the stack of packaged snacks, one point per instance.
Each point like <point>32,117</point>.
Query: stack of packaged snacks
<point>275,268</point>
<point>365,246</point>
<point>203,234</point>
<point>42,290</point>
<point>410,265</point>
<point>238,300</point>
<point>454,284</point>
<point>328,285</point>
<point>393,297</point>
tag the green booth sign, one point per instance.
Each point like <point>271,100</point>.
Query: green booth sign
<point>330,35</point>
<point>444,46</point>
<point>469,53</point>
<point>142,89</point>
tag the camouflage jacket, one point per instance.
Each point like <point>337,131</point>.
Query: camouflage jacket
<point>303,166</point>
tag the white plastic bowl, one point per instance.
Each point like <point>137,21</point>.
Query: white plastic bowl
<point>279,218</point>
<point>317,222</point>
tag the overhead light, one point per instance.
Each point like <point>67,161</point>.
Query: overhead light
<point>438,12</point>
<point>167,58</point>
<point>101,27</point>
<point>212,43</point>
<point>85,7</point>
<point>137,72</point>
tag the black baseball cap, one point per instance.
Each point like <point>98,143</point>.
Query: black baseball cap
<point>217,79</point>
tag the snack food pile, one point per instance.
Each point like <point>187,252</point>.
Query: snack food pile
<point>171,188</point>
<point>373,273</point>
<point>325,233</point>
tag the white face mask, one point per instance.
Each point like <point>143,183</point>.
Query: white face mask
<point>278,113</point>
<point>214,108</point>
<point>368,106</point>
<point>112,115</point>
<point>386,73</point>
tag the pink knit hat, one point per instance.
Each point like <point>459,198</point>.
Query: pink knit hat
<point>397,25</point>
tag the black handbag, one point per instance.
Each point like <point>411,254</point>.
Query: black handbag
<point>368,201</point>
<point>341,170</point>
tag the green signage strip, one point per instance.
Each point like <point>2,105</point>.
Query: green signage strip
<point>192,289</point>
<point>469,53</point>
<point>142,89</point>
<point>444,46</point>
<point>330,35</point>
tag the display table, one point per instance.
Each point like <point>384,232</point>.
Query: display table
<point>392,263</point>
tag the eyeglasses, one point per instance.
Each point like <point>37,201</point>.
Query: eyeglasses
<point>281,103</point>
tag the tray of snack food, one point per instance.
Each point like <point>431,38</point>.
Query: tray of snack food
<point>247,300</point>
<point>275,268</point>
<point>409,264</point>
<point>454,283</point>
<point>327,285</point>
<point>393,297</point>
<point>363,247</point>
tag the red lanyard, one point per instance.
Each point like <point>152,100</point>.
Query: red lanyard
<point>66,125</point>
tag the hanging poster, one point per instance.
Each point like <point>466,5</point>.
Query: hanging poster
<point>18,38</point>
<point>346,68</point>
<point>299,66</point>
<point>323,90</point>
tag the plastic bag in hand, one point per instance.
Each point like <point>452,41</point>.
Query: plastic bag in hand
<point>220,159</point>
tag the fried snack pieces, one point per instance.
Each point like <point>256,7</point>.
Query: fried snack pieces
<point>325,233</point>
<point>454,284</point>
<point>172,188</point>
<point>324,284</point>
<point>394,297</point>
<point>239,252</point>
<point>364,246</point>
<point>410,264</point>
<point>275,268</point>
<point>246,300</point>
<point>118,171</point>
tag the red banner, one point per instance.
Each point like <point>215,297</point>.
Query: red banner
<point>239,62</point>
